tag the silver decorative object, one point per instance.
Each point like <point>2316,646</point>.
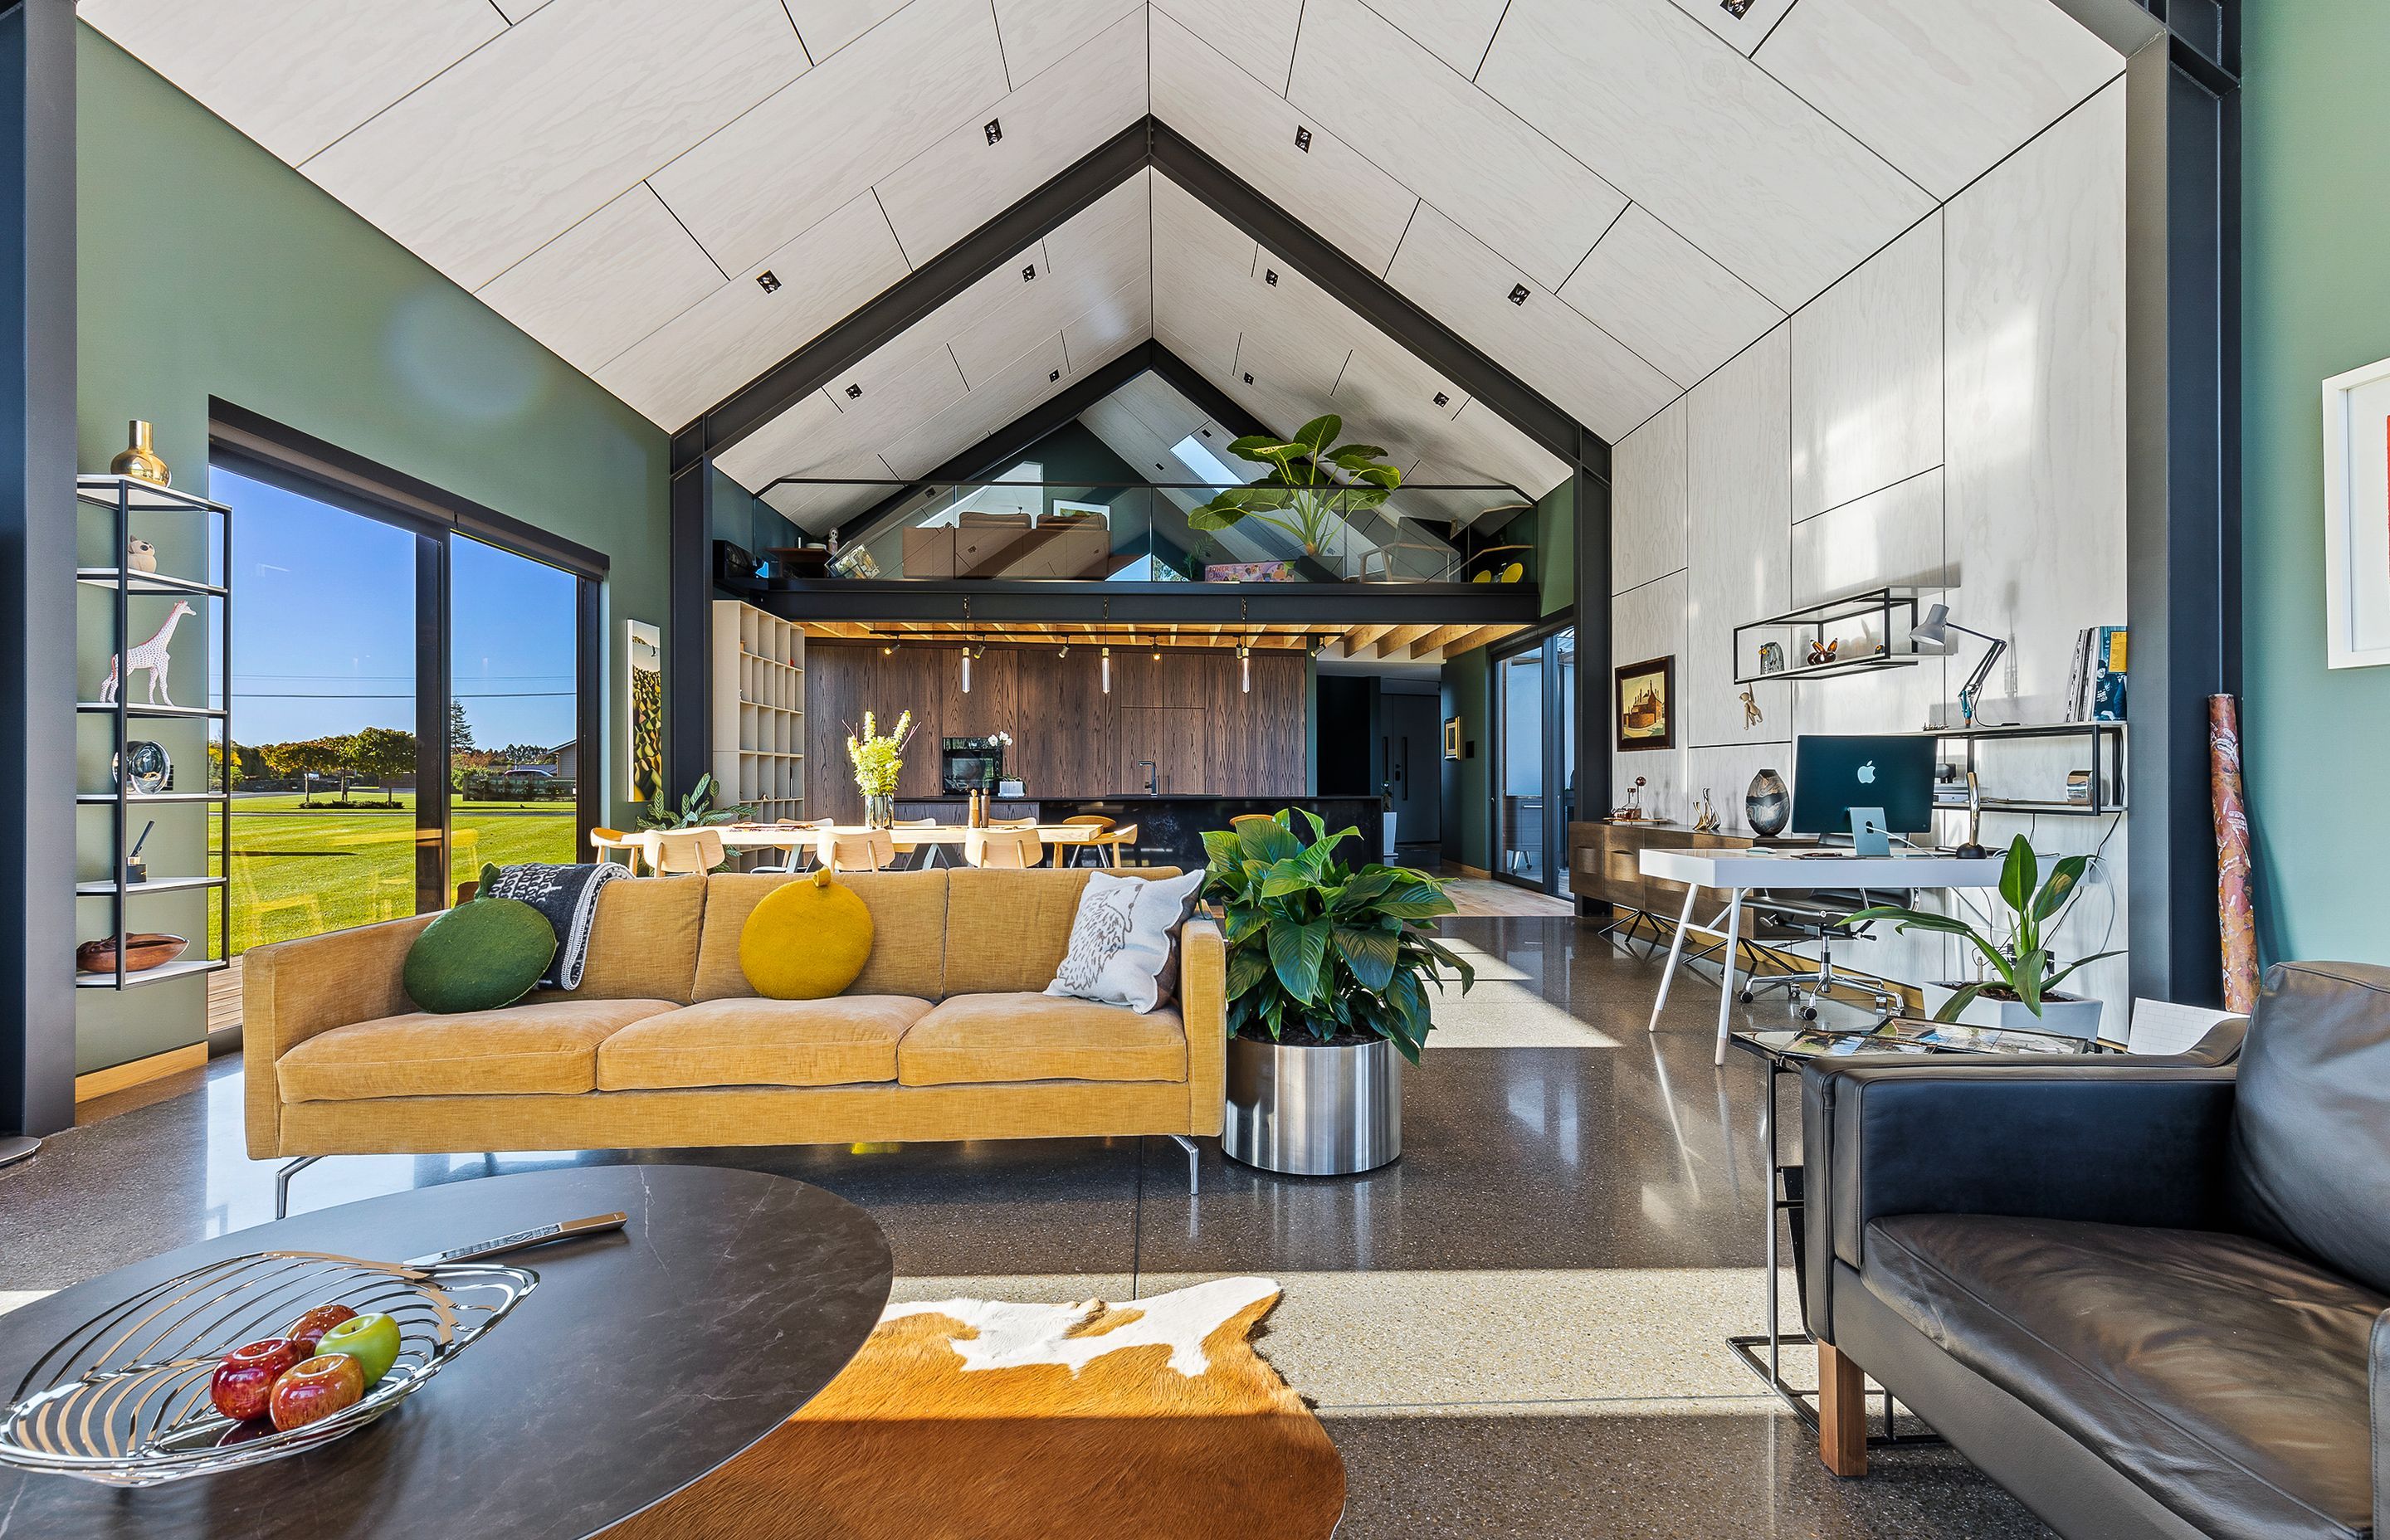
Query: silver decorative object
<point>125,1399</point>
<point>1313,1110</point>
<point>1768,805</point>
<point>148,764</point>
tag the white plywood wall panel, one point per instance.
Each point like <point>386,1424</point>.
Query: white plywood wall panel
<point>1738,534</point>
<point>515,10</point>
<point>354,60</point>
<point>738,331</point>
<point>1038,34</point>
<point>1867,376</point>
<point>1552,347</point>
<point>1727,771</point>
<point>551,120</point>
<point>1746,31</point>
<point>865,111</point>
<point>1257,34</point>
<point>609,280</point>
<point>1455,31</point>
<point>1726,156</point>
<point>1940,88</point>
<point>1647,623</point>
<point>1891,538</point>
<point>1247,127</point>
<point>2035,313</point>
<point>963,181</point>
<point>1453,144</point>
<point>825,26</point>
<point>1661,295</point>
<point>896,389</point>
<point>1647,511</point>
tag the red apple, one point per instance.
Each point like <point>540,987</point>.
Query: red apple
<point>315,1389</point>
<point>244,1381</point>
<point>309,1329</point>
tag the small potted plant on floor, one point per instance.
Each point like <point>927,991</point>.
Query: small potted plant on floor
<point>2023,990</point>
<point>1328,976</point>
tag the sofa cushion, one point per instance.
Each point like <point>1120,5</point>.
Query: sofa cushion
<point>2311,1116</point>
<point>546,1048</point>
<point>1012,928</point>
<point>1024,1036</point>
<point>642,942</point>
<point>846,1040</point>
<point>2225,1377</point>
<point>908,932</point>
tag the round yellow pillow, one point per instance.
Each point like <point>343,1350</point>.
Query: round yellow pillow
<point>808,940</point>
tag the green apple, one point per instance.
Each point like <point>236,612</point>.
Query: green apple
<point>372,1340</point>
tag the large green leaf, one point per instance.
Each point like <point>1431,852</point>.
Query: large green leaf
<point>2055,892</point>
<point>2026,979</point>
<point>1421,899</point>
<point>1268,838</point>
<point>1296,952</point>
<point>1959,1000</point>
<point>1247,967</point>
<point>1313,437</point>
<point>1370,953</point>
<point>2019,875</point>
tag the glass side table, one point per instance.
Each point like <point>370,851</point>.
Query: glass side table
<point>1782,1051</point>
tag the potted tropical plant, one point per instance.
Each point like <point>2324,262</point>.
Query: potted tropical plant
<point>1314,484</point>
<point>879,758</point>
<point>696,809</point>
<point>2023,990</point>
<point>1328,976</point>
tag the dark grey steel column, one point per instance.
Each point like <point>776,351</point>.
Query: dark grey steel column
<point>688,673</point>
<point>1593,662</point>
<point>2182,522</point>
<point>37,467</point>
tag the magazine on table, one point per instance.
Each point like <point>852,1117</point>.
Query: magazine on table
<point>1904,1035</point>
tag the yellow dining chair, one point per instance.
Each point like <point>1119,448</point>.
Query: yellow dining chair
<point>924,851</point>
<point>1005,849</point>
<point>1095,824</point>
<point>612,844</point>
<point>681,852</point>
<point>1117,841</point>
<point>869,851</point>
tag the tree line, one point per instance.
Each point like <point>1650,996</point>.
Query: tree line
<point>374,755</point>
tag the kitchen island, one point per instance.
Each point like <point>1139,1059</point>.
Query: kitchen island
<point>1170,826</point>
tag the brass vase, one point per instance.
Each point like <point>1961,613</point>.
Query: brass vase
<point>140,459</point>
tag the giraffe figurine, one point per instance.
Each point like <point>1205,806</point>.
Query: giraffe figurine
<point>150,655</point>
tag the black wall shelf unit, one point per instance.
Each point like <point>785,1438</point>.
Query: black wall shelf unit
<point>1885,606</point>
<point>2104,739</point>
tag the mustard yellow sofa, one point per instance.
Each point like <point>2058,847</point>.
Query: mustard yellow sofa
<point>945,1036</point>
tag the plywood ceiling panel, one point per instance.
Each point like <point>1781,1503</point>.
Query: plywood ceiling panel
<point>825,26</point>
<point>552,120</point>
<point>1013,389</point>
<point>1038,34</point>
<point>1457,32</point>
<point>1258,35</point>
<point>1661,295</point>
<point>354,60</point>
<point>1742,31</point>
<point>611,279</point>
<point>1452,144</point>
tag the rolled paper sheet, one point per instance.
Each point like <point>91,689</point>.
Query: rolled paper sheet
<point>2235,881</point>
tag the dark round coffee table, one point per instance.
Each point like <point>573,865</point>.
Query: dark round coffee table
<point>642,1361</point>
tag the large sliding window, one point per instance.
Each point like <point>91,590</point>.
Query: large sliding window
<point>1535,760</point>
<point>414,685</point>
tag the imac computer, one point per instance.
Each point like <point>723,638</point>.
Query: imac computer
<point>1834,774</point>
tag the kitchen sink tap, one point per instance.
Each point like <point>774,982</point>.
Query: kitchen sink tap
<point>1152,778</point>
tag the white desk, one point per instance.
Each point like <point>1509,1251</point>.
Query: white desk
<point>1735,872</point>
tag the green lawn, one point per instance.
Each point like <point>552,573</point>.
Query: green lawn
<point>297,871</point>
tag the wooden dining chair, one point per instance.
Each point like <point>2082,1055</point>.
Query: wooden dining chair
<point>798,854</point>
<point>1116,842</point>
<point>613,845</point>
<point>1005,849</point>
<point>924,851</point>
<point>864,850</point>
<point>1094,822</point>
<point>681,852</point>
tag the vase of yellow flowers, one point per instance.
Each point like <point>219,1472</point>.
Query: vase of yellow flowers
<point>878,757</point>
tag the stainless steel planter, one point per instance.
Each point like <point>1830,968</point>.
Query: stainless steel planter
<point>1313,1111</point>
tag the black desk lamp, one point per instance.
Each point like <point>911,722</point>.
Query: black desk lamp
<point>1934,632</point>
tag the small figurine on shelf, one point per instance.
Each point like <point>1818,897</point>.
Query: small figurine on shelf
<point>140,556</point>
<point>1823,651</point>
<point>1633,811</point>
<point>1771,657</point>
<point>1750,709</point>
<point>150,655</point>
<point>1705,814</point>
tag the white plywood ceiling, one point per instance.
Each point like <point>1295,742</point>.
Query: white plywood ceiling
<point>1609,197</point>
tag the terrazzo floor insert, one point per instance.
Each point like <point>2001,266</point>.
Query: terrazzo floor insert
<point>1516,1329</point>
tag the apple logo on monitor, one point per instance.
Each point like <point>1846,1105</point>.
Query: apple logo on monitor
<point>1867,774</point>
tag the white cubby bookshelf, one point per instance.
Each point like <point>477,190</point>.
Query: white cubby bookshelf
<point>759,711</point>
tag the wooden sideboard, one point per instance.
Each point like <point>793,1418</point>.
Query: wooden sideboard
<point>1605,862</point>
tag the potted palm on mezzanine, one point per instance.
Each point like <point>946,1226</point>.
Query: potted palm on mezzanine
<point>1329,969</point>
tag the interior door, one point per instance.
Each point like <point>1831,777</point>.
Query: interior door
<point>1413,734</point>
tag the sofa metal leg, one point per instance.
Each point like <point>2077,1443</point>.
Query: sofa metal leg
<point>1841,1413</point>
<point>282,1175</point>
<point>1194,1164</point>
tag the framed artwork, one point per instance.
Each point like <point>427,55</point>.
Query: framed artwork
<point>644,713</point>
<point>1452,737</point>
<point>2356,516</point>
<point>1646,705</point>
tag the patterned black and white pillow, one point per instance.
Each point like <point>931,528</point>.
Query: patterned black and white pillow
<point>1123,938</point>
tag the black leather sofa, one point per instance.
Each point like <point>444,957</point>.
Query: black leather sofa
<point>2147,1298</point>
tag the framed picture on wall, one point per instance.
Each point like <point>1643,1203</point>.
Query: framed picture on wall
<point>2356,516</point>
<point>1452,737</point>
<point>1645,705</point>
<point>644,712</point>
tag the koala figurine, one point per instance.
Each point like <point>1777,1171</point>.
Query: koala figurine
<point>140,556</point>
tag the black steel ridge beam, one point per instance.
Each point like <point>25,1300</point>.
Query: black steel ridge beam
<point>1328,605</point>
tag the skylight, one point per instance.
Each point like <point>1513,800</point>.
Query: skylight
<point>1197,457</point>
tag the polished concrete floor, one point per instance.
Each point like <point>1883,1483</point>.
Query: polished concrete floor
<point>1516,1329</point>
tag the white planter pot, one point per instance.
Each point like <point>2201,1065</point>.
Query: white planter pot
<point>2062,1015</point>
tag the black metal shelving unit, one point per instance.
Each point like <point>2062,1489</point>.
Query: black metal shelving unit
<point>121,497</point>
<point>1884,606</point>
<point>2104,739</point>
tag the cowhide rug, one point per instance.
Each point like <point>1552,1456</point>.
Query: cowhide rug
<point>972,1418</point>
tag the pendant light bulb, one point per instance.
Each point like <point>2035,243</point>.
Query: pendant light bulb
<point>965,670</point>
<point>1108,671</point>
<point>1244,668</point>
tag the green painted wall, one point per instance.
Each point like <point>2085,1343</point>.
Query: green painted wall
<point>207,268</point>
<point>2314,226</point>
<point>1555,526</point>
<point>1468,833</point>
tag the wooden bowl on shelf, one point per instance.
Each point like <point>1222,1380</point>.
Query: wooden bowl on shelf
<point>147,950</point>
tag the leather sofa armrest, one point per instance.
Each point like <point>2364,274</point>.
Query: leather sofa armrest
<point>2378,1387</point>
<point>293,989</point>
<point>1203,1009</point>
<point>2112,1141</point>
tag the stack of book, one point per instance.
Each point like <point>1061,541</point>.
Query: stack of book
<point>2095,684</point>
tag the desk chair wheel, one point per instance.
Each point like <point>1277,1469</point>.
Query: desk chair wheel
<point>1744,996</point>
<point>1808,1013</point>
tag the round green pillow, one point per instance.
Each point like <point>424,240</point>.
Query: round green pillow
<point>484,954</point>
<point>807,939</point>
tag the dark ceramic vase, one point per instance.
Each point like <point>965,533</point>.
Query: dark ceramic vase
<point>1767,804</point>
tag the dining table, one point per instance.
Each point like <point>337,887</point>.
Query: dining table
<point>641,843</point>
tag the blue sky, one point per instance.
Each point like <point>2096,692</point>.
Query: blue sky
<point>324,627</point>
